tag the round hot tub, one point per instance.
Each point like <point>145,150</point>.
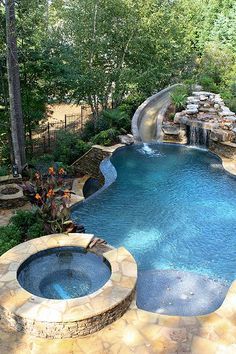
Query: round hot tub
<point>59,286</point>
<point>63,273</point>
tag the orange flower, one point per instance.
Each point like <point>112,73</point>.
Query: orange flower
<point>67,194</point>
<point>50,193</point>
<point>51,171</point>
<point>61,171</point>
<point>37,196</point>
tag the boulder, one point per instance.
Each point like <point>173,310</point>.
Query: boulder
<point>192,108</point>
<point>126,139</point>
<point>177,117</point>
<point>226,112</point>
<point>173,129</point>
<point>203,98</point>
<point>193,100</point>
<point>220,135</point>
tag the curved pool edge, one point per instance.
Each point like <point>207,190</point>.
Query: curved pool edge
<point>43,317</point>
<point>109,172</point>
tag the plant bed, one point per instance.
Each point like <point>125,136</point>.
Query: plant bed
<point>11,196</point>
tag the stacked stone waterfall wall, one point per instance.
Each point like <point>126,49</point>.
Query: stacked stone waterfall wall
<point>211,122</point>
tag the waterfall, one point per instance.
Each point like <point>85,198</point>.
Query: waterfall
<point>147,150</point>
<point>198,136</point>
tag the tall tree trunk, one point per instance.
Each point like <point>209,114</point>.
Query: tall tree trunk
<point>17,124</point>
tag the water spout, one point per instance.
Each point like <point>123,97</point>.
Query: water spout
<point>147,150</point>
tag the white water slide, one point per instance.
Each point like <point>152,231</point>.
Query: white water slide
<point>147,120</point>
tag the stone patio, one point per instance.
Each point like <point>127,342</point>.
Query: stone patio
<point>139,332</point>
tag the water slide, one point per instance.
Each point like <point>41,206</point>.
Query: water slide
<point>147,120</point>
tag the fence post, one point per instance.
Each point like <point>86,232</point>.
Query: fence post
<point>81,118</point>
<point>49,143</point>
<point>65,122</point>
<point>44,144</point>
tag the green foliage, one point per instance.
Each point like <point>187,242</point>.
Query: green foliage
<point>69,147</point>
<point>10,236</point>
<point>114,118</point>
<point>35,230</point>
<point>113,121</point>
<point>114,53</point>
<point>89,130</point>
<point>232,104</point>
<point>28,223</point>
<point>106,137</point>
<point>179,97</point>
<point>4,170</point>
<point>208,84</point>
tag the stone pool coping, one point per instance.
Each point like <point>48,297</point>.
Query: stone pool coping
<point>65,318</point>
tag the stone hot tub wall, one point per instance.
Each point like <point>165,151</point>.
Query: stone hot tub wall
<point>65,318</point>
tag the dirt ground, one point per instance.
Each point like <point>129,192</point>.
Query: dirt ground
<point>58,111</point>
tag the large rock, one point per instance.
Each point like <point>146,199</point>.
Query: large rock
<point>226,112</point>
<point>192,108</point>
<point>171,129</point>
<point>126,139</point>
<point>193,100</point>
<point>220,135</point>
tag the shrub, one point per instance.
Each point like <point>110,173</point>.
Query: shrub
<point>118,118</point>
<point>69,147</point>
<point>106,137</point>
<point>232,104</point>
<point>115,118</point>
<point>36,230</point>
<point>179,97</point>
<point>208,84</point>
<point>28,223</point>
<point>41,164</point>
<point>89,130</point>
<point>10,236</point>
<point>4,171</point>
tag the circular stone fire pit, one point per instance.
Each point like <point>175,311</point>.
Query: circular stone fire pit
<point>53,287</point>
<point>11,196</point>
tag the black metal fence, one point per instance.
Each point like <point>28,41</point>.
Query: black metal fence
<point>44,136</point>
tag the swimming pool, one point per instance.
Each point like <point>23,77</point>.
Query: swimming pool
<point>172,207</point>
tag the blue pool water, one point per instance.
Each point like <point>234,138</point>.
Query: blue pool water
<point>63,273</point>
<point>172,207</point>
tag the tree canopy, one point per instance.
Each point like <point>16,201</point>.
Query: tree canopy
<point>103,51</point>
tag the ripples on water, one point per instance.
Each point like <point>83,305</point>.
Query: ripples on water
<point>172,207</point>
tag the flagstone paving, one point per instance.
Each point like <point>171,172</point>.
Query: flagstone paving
<point>136,332</point>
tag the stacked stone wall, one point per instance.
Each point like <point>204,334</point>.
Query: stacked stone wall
<point>90,162</point>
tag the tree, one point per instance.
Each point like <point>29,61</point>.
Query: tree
<point>17,124</point>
